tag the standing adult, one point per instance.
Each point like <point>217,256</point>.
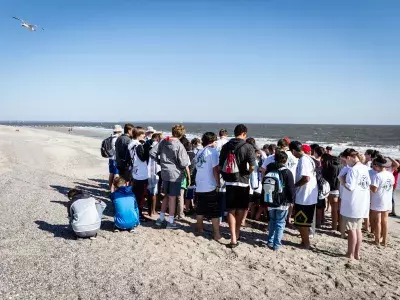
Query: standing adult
<point>149,133</point>
<point>223,139</point>
<point>174,160</point>
<point>122,155</point>
<point>306,191</point>
<point>237,159</point>
<point>112,163</point>
<point>396,180</point>
<point>355,204</point>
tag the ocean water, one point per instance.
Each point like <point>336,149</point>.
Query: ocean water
<point>360,137</point>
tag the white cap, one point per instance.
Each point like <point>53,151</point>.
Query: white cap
<point>117,128</point>
<point>150,129</point>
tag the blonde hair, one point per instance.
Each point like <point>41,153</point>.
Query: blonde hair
<point>178,131</point>
<point>119,181</point>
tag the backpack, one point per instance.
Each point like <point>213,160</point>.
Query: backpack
<point>273,187</point>
<point>106,149</point>
<point>323,186</point>
<point>230,170</point>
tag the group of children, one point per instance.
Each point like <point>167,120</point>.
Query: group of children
<point>233,178</point>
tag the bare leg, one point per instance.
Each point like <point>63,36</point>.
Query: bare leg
<point>358,244</point>
<point>305,236</point>
<point>290,211</point>
<point>110,182</point>
<point>320,217</point>
<point>243,223</point>
<point>199,227</point>
<point>232,225</point>
<point>215,224</point>
<point>164,204</point>
<point>385,217</point>
<point>377,230</point>
<point>351,243</point>
<point>153,205</point>
<point>240,213</point>
<point>333,200</point>
<point>260,210</point>
<point>172,205</point>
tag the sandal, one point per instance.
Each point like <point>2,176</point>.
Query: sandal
<point>231,246</point>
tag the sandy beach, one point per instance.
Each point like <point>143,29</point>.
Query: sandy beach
<point>40,258</point>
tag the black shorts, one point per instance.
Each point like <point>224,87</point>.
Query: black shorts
<point>208,204</point>
<point>304,215</point>
<point>125,174</point>
<point>139,188</point>
<point>256,198</point>
<point>237,197</point>
<point>321,203</point>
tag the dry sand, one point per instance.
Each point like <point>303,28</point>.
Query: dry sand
<point>40,259</point>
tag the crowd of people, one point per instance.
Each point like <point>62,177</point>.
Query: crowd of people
<point>219,178</point>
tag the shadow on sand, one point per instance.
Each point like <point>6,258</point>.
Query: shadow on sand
<point>60,231</point>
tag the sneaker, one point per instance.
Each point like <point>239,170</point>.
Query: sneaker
<point>161,223</point>
<point>172,226</point>
<point>131,230</point>
<point>93,237</point>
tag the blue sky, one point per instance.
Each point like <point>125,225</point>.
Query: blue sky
<point>272,61</point>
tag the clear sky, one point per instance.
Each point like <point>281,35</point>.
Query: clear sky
<point>271,61</point>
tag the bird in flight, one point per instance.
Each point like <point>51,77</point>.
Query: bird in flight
<point>25,24</point>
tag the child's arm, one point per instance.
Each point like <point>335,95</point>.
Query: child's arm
<point>189,181</point>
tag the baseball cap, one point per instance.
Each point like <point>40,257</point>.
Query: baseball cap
<point>306,148</point>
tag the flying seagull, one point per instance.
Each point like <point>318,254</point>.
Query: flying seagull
<point>31,27</point>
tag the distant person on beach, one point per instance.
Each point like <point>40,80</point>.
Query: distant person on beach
<point>330,171</point>
<point>370,155</point>
<point>140,174</point>
<point>122,154</point>
<point>173,161</point>
<point>207,184</point>
<point>355,204</point>
<point>112,163</point>
<point>85,214</point>
<point>187,181</point>
<point>381,199</point>
<point>271,149</point>
<point>236,163</point>
<point>306,191</point>
<point>125,206</point>
<point>154,170</point>
<point>264,152</point>
<point>223,139</point>
<point>396,180</point>
<point>321,204</point>
<point>196,145</point>
<point>281,199</point>
<point>149,133</point>
<point>329,150</point>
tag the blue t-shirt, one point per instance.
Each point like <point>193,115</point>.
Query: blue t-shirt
<point>126,208</point>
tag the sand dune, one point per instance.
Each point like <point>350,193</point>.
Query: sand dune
<point>40,259</point>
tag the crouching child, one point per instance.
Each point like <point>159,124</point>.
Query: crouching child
<point>85,214</point>
<point>125,206</point>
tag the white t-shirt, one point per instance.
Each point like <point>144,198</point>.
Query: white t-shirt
<point>222,141</point>
<point>356,201</point>
<point>342,173</point>
<point>114,139</point>
<point>382,199</point>
<point>139,168</point>
<point>291,163</point>
<point>308,193</point>
<point>206,161</point>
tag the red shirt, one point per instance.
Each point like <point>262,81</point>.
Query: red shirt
<point>396,178</point>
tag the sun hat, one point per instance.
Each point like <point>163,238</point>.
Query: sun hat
<point>117,128</point>
<point>150,129</point>
<point>306,148</point>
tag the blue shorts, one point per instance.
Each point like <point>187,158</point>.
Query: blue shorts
<point>112,166</point>
<point>190,193</point>
<point>172,188</point>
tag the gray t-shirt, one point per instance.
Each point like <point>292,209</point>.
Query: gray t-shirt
<point>173,159</point>
<point>86,214</point>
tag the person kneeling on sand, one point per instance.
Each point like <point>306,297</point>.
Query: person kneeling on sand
<point>207,183</point>
<point>125,206</point>
<point>85,214</point>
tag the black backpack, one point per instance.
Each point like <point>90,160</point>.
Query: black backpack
<point>106,149</point>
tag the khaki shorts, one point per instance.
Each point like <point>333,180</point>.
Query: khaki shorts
<point>351,223</point>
